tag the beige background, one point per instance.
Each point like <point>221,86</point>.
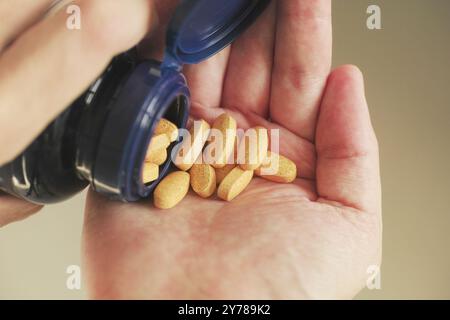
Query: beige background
<point>406,67</point>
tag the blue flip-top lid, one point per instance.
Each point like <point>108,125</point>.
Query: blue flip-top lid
<point>202,28</point>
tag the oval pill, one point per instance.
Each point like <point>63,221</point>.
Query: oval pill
<point>234,183</point>
<point>166,127</point>
<point>203,180</point>
<point>191,149</point>
<point>150,172</point>
<point>171,190</point>
<point>253,148</point>
<point>157,157</point>
<point>158,142</point>
<point>223,172</point>
<point>226,126</point>
<point>277,168</point>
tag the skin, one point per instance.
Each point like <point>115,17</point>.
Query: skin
<point>315,238</point>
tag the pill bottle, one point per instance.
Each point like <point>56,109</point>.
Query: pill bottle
<point>101,140</point>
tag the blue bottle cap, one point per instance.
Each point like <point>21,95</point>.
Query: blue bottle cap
<point>201,28</point>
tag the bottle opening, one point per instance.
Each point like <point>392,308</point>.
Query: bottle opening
<point>165,136</point>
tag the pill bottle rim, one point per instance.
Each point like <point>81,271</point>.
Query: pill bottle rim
<point>142,101</point>
<point>180,101</point>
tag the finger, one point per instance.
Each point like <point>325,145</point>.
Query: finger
<point>13,209</point>
<point>347,164</point>
<point>302,63</point>
<point>206,79</point>
<point>17,16</point>
<point>50,65</point>
<point>248,79</point>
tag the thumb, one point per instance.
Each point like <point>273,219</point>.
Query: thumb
<point>347,148</point>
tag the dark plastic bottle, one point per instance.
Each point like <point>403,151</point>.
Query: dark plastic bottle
<point>102,139</point>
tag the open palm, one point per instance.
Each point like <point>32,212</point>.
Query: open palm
<point>315,238</point>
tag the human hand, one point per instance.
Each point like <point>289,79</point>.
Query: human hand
<point>311,239</point>
<point>44,66</point>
